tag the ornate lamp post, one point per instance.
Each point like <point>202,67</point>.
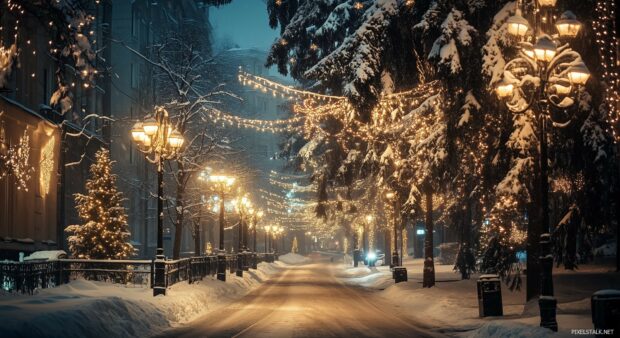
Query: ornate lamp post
<point>243,205</point>
<point>545,76</point>
<point>256,216</point>
<point>222,184</point>
<point>392,197</point>
<point>157,137</point>
<point>267,238</point>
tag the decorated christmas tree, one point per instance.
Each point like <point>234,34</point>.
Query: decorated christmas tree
<point>104,233</point>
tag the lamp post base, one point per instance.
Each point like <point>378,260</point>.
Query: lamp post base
<point>221,267</point>
<point>395,260</point>
<point>159,265</point>
<point>548,306</point>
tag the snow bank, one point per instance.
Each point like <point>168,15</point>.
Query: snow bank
<point>294,259</point>
<point>452,305</point>
<point>510,330</point>
<point>46,255</point>
<point>96,309</point>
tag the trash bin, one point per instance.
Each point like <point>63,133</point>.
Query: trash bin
<point>399,274</point>
<point>490,296</point>
<point>606,310</point>
<point>356,257</point>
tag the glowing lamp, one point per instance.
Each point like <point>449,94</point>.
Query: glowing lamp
<point>517,25</point>
<point>175,139</point>
<point>547,3</point>
<point>150,126</point>
<point>137,132</point>
<point>528,49</point>
<point>578,74</point>
<point>371,256</point>
<point>390,195</point>
<point>544,49</point>
<point>568,26</point>
<point>504,89</point>
<point>146,140</point>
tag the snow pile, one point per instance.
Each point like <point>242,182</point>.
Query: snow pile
<point>47,255</point>
<point>510,330</point>
<point>96,309</point>
<point>606,250</point>
<point>293,259</point>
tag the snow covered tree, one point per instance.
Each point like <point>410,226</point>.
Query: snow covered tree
<point>104,233</point>
<point>488,162</point>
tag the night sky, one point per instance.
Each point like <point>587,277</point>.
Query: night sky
<point>245,22</point>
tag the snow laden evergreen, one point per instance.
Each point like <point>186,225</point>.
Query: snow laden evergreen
<point>480,160</point>
<point>104,233</point>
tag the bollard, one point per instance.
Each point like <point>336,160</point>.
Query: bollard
<point>221,267</point>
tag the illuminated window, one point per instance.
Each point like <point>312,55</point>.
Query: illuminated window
<point>47,165</point>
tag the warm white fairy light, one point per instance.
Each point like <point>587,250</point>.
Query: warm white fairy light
<point>46,166</point>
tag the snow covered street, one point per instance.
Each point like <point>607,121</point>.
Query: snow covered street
<point>306,301</point>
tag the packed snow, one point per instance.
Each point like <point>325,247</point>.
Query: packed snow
<point>452,305</point>
<point>294,259</point>
<point>97,309</point>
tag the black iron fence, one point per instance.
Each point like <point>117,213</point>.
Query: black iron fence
<point>26,277</point>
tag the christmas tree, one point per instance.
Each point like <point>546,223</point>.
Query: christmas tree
<point>104,233</point>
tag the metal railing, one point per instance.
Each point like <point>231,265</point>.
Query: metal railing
<point>26,277</point>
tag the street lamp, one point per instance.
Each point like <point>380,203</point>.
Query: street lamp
<point>244,205</point>
<point>256,216</point>
<point>157,137</point>
<point>222,184</point>
<point>543,76</point>
<point>267,238</point>
<point>391,196</point>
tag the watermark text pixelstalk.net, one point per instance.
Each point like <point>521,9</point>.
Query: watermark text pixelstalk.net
<point>602,332</point>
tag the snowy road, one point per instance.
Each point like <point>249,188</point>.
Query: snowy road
<point>303,301</point>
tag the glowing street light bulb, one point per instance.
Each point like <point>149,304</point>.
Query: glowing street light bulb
<point>150,126</point>
<point>175,139</point>
<point>517,25</point>
<point>504,88</point>
<point>544,49</point>
<point>547,3</point>
<point>578,74</point>
<point>137,132</point>
<point>390,195</point>
<point>567,25</point>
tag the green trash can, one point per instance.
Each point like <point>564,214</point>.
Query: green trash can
<point>606,311</point>
<point>490,296</point>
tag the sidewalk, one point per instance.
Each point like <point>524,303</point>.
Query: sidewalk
<point>452,306</point>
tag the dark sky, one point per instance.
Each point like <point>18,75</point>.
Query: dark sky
<point>244,22</point>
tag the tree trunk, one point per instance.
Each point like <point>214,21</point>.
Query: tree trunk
<point>178,210</point>
<point>387,244</point>
<point>429,264</point>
